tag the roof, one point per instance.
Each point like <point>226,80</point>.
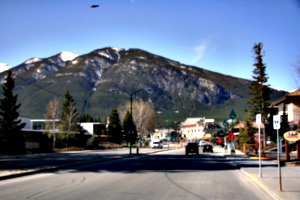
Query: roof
<point>285,97</point>
<point>242,125</point>
<point>192,120</point>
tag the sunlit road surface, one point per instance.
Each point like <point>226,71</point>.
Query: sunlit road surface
<point>165,175</point>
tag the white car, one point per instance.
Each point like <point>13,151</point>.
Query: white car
<point>201,143</point>
<point>156,144</point>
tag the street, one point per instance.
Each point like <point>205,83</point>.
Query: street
<point>164,175</point>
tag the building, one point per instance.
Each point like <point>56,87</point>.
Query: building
<point>164,134</point>
<point>212,128</point>
<point>290,105</point>
<point>94,128</point>
<point>194,128</point>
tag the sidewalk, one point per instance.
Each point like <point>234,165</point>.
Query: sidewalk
<point>290,176</point>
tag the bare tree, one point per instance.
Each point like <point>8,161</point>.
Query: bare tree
<point>143,114</point>
<point>71,119</point>
<point>53,112</point>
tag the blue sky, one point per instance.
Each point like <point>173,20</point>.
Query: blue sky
<point>216,35</point>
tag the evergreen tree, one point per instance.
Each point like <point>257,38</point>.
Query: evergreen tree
<point>12,141</point>
<point>97,119</point>
<point>69,117</point>
<point>86,118</point>
<point>259,90</point>
<point>129,128</point>
<point>115,129</point>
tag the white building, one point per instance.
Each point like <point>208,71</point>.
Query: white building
<point>193,128</point>
<point>94,128</point>
<point>290,104</point>
<point>163,134</point>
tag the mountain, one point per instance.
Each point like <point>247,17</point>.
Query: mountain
<point>4,67</point>
<point>90,77</point>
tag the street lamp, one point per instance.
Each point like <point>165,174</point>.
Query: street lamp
<point>225,124</point>
<point>232,116</point>
<point>168,114</point>
<point>131,95</point>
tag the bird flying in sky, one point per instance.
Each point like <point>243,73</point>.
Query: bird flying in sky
<point>95,6</point>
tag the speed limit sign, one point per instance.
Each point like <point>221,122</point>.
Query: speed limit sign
<point>276,122</point>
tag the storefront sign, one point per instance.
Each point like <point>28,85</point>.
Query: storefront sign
<point>292,136</point>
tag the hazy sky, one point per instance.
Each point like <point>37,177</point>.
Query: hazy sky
<point>216,35</point>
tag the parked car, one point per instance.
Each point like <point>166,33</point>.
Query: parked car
<point>192,148</point>
<point>207,148</point>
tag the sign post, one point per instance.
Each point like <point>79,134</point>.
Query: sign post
<point>276,125</point>
<point>258,122</point>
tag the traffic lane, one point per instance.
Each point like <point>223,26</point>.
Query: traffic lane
<point>161,176</point>
<point>52,159</point>
<point>57,159</point>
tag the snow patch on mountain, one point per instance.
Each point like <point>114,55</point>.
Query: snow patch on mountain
<point>117,49</point>
<point>4,67</point>
<point>32,60</point>
<point>66,56</point>
<point>105,54</point>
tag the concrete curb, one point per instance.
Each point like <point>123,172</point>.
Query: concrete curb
<point>255,178</point>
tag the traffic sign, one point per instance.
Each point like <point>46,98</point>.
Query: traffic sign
<point>257,139</point>
<point>258,119</point>
<point>231,136</point>
<point>276,122</point>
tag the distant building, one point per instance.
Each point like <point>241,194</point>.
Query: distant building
<point>195,128</point>
<point>212,128</point>
<point>164,134</point>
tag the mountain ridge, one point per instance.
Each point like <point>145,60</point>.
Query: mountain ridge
<point>89,78</point>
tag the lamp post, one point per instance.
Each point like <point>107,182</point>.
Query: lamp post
<point>168,114</point>
<point>225,124</point>
<point>232,116</point>
<point>131,95</point>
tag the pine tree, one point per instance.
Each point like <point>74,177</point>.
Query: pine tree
<point>260,91</point>
<point>12,141</point>
<point>97,119</point>
<point>129,128</point>
<point>86,118</point>
<point>115,128</point>
<point>69,116</point>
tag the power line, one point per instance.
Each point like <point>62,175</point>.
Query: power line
<point>45,89</point>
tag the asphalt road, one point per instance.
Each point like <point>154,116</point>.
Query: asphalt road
<point>165,175</point>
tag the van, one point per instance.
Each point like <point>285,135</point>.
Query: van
<point>156,143</point>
